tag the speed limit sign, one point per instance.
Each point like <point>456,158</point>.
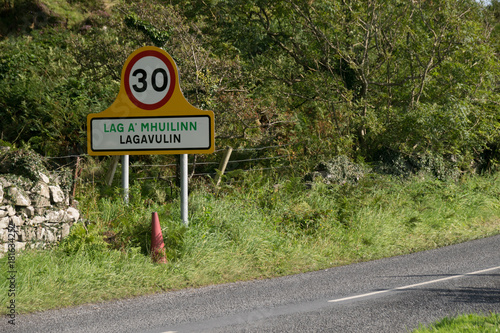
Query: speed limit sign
<point>149,79</point>
<point>150,115</point>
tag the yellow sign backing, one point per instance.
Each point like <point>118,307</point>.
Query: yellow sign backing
<point>150,115</point>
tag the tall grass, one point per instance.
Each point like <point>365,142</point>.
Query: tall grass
<point>255,229</point>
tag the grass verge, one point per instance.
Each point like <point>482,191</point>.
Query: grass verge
<point>473,323</point>
<point>257,229</point>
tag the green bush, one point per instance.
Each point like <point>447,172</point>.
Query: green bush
<point>42,96</point>
<point>23,162</point>
<point>84,237</point>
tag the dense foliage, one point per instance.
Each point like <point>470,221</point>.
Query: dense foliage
<point>408,82</point>
<point>322,85</point>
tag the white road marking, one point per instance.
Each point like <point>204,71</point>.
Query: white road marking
<point>412,285</point>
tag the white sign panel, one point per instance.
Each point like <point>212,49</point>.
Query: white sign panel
<point>151,133</point>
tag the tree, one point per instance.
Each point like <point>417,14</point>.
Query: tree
<point>416,77</point>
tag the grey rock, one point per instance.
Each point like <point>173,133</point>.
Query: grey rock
<point>11,211</point>
<point>41,189</point>
<point>65,230</point>
<point>40,211</point>
<point>4,222</point>
<point>339,170</point>
<point>55,216</point>
<point>40,233</point>
<point>18,197</point>
<point>29,234</point>
<point>20,246</point>
<point>3,212</point>
<point>3,249</point>
<point>50,236</point>
<point>21,236</point>
<point>17,221</point>
<point>38,220</point>
<point>41,195</point>
<point>7,211</point>
<point>4,233</point>
<point>44,178</point>
<point>28,211</point>
<point>71,215</point>
<point>56,194</point>
<point>5,183</point>
<point>41,202</point>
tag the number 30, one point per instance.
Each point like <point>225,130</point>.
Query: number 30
<point>143,80</point>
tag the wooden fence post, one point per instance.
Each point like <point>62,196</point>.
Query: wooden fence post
<point>112,169</point>
<point>223,165</point>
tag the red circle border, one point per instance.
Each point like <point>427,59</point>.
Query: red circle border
<point>171,70</point>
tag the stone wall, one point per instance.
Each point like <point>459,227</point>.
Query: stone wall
<point>39,210</point>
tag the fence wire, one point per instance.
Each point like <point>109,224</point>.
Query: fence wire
<point>60,168</point>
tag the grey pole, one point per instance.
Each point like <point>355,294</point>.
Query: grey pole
<point>125,165</point>
<point>184,188</point>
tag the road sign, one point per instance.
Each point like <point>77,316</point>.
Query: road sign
<point>169,133</point>
<point>150,115</point>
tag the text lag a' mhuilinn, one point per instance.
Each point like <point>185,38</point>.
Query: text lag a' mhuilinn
<point>159,138</point>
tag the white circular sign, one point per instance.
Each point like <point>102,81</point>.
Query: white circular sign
<point>149,80</point>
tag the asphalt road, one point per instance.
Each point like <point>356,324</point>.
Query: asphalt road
<point>388,295</point>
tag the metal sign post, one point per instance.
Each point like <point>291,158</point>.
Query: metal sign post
<point>184,189</point>
<point>151,116</point>
<point>125,173</point>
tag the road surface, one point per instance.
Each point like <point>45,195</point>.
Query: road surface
<point>388,295</point>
